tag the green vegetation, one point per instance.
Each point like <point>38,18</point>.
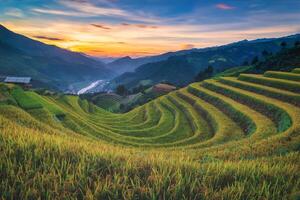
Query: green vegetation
<point>25,101</point>
<point>235,71</point>
<point>223,138</point>
<point>123,100</point>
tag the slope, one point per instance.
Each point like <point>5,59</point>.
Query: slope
<point>181,69</point>
<point>48,65</point>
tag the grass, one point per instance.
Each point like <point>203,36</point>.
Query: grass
<point>109,102</point>
<point>260,103</point>
<point>283,75</point>
<point>227,138</point>
<point>272,82</point>
<point>24,100</point>
<point>296,70</point>
<point>233,72</point>
<point>283,95</point>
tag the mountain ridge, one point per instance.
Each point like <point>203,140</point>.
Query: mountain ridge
<point>53,66</point>
<point>220,57</point>
<point>128,64</point>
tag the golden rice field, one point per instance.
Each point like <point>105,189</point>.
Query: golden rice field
<point>225,138</point>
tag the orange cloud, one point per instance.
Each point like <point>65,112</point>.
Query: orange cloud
<point>127,39</point>
<point>188,46</point>
<point>224,6</point>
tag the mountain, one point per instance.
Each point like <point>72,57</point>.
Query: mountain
<point>105,59</point>
<point>181,69</point>
<point>128,64</point>
<point>48,65</point>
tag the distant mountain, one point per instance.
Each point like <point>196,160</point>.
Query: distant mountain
<point>105,59</point>
<point>181,69</point>
<point>48,65</point>
<point>128,64</point>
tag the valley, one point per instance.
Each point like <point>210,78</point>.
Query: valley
<point>99,84</point>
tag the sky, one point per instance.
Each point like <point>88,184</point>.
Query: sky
<point>115,28</point>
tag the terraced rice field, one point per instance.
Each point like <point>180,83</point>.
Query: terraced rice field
<point>228,138</point>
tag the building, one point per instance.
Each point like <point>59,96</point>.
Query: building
<point>163,88</point>
<point>22,81</point>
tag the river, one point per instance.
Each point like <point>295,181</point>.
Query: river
<point>91,86</point>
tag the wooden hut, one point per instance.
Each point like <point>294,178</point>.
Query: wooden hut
<point>22,81</point>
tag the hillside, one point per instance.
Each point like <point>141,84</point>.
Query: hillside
<point>119,104</point>
<point>181,69</point>
<point>108,101</point>
<point>228,138</point>
<point>49,66</point>
<point>284,61</point>
<point>128,64</point>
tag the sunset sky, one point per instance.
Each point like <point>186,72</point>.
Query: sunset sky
<point>146,27</point>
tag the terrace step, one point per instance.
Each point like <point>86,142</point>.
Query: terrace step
<point>291,86</point>
<point>296,70</point>
<point>231,108</point>
<point>283,75</point>
<point>258,125</point>
<point>153,121</point>
<point>152,117</point>
<point>270,108</point>
<point>205,118</point>
<point>224,128</point>
<point>279,94</point>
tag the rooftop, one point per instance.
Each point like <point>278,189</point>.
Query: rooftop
<point>11,79</point>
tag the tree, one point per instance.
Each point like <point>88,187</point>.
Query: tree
<point>245,63</point>
<point>265,53</point>
<point>209,69</point>
<point>297,43</point>
<point>207,73</point>
<point>121,90</point>
<point>122,106</point>
<point>283,44</point>
<point>140,88</point>
<point>255,60</point>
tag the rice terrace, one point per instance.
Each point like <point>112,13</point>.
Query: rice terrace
<point>221,122</point>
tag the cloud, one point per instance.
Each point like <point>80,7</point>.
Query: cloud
<point>101,26</point>
<point>188,46</point>
<point>77,1</point>
<point>145,26</point>
<point>58,12</point>
<point>82,8</point>
<point>48,38</point>
<point>14,12</point>
<point>86,8</point>
<point>224,6</point>
<point>140,25</point>
<point>137,38</point>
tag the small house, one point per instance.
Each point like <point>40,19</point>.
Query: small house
<point>22,81</point>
